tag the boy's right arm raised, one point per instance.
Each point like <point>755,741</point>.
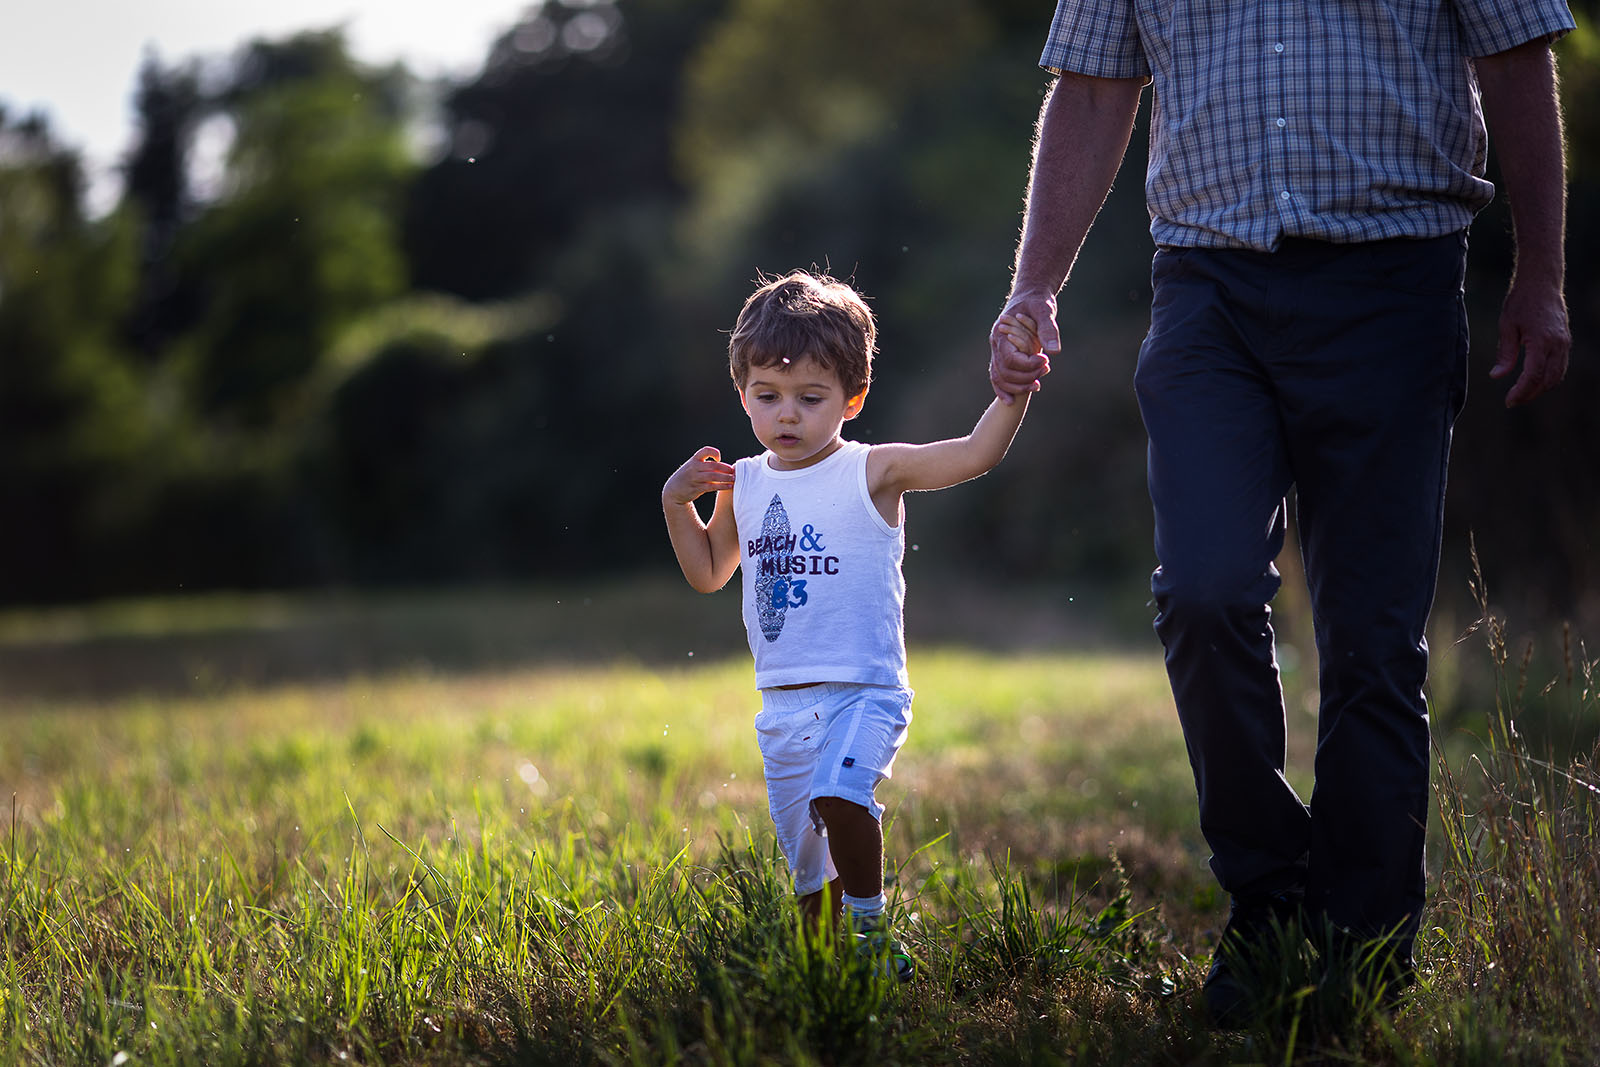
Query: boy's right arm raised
<point>707,552</point>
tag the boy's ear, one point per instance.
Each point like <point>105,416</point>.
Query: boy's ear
<point>853,406</point>
<point>742,401</point>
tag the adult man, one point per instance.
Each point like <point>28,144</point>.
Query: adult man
<point>1313,169</point>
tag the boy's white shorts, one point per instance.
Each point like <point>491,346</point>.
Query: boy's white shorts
<point>836,739</point>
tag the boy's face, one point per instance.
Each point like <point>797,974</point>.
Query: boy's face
<point>797,409</point>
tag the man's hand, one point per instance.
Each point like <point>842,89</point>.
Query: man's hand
<point>1534,331</point>
<point>1015,370</point>
<point>1520,105</point>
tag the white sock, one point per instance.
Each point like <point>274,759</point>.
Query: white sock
<point>863,910</point>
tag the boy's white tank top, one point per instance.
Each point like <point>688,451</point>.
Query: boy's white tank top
<point>824,596</point>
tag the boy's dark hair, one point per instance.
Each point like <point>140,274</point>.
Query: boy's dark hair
<point>804,314</point>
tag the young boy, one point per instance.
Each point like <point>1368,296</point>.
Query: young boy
<point>816,524</point>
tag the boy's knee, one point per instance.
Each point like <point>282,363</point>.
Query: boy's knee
<point>838,807</point>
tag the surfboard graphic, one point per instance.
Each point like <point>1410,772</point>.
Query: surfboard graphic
<point>771,609</point>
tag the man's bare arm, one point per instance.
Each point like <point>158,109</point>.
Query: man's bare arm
<point>1524,117</point>
<point>1083,133</point>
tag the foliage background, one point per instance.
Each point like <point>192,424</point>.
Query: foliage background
<point>419,334</point>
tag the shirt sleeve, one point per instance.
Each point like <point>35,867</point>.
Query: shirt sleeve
<point>1098,38</point>
<point>1490,26</point>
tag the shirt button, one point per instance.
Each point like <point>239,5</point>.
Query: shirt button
<point>1282,123</point>
<point>1278,47</point>
<point>1284,195</point>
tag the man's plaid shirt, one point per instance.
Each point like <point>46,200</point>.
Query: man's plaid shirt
<point>1339,120</point>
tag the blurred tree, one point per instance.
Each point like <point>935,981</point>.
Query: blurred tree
<point>304,238</point>
<point>447,468</point>
<point>558,183</point>
<point>169,105</point>
<point>71,406</point>
<point>331,365</point>
<point>571,117</point>
<point>245,291</point>
<point>778,91</point>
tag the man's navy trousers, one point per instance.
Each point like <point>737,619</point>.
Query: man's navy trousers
<point>1337,370</point>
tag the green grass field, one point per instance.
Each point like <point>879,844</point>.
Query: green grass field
<point>573,865</point>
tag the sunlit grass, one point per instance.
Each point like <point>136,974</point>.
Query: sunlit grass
<point>376,861</point>
<point>574,865</point>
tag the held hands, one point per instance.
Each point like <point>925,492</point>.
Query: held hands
<point>1534,328</point>
<point>702,473</point>
<point>1020,345</point>
<point>1020,330</point>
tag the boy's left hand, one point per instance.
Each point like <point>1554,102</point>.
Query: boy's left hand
<point>702,473</point>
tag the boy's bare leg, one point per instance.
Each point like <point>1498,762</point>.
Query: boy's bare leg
<point>811,904</point>
<point>855,839</point>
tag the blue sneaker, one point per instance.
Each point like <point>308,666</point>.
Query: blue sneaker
<point>876,943</point>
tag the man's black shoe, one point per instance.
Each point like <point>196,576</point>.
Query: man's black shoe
<point>1375,973</point>
<point>1248,957</point>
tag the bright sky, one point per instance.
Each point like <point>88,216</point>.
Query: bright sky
<point>78,60</point>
